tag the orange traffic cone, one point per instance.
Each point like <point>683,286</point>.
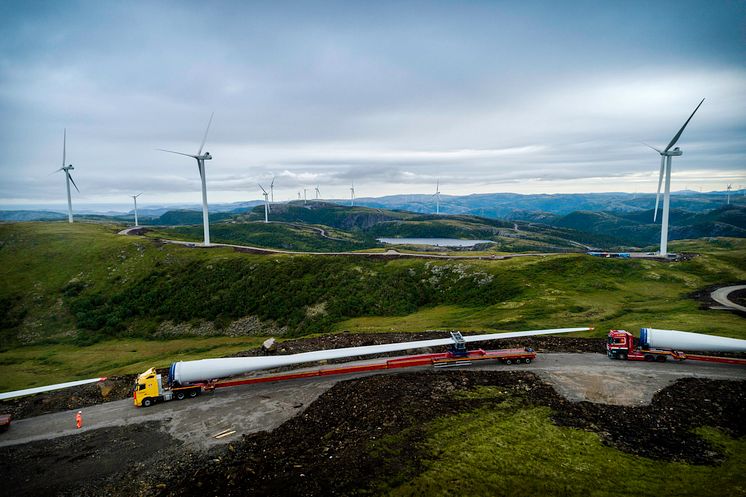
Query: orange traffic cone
<point>79,419</point>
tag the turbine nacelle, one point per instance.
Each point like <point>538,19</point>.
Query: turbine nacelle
<point>205,156</point>
<point>674,153</point>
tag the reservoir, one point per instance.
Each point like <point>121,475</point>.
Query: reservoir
<point>435,242</point>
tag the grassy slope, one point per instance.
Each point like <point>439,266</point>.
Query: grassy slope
<point>520,451</point>
<point>123,287</point>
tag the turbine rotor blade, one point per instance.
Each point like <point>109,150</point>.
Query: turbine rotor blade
<point>658,193</point>
<point>204,138</point>
<point>650,146</point>
<point>73,181</point>
<point>64,145</point>
<point>273,181</point>
<point>180,153</point>
<point>678,135</point>
<point>260,186</point>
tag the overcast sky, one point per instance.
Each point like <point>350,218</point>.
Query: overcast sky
<point>528,97</point>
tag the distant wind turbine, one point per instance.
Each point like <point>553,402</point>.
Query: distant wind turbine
<point>201,166</point>
<point>134,197</point>
<point>437,197</point>
<point>666,155</point>
<point>305,197</point>
<point>729,189</point>
<point>298,195</point>
<point>352,195</point>
<point>318,193</point>
<point>272,189</point>
<point>266,204</point>
<point>68,177</point>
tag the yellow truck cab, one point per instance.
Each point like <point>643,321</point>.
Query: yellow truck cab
<point>149,389</point>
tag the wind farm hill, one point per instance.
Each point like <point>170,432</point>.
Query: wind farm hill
<point>322,226</point>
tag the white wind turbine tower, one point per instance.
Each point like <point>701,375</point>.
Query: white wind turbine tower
<point>272,189</point>
<point>437,197</point>
<point>305,197</point>
<point>730,187</point>
<point>266,204</point>
<point>134,197</point>
<point>68,177</point>
<point>666,155</point>
<point>352,195</point>
<point>298,195</point>
<point>318,193</point>
<point>201,158</point>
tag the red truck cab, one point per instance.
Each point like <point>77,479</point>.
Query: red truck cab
<point>620,344</point>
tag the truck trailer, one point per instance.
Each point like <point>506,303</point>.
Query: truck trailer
<point>659,345</point>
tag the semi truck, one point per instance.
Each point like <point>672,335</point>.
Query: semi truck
<point>660,345</point>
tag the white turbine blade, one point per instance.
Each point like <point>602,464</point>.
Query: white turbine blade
<point>204,138</point>
<point>64,145</point>
<point>271,185</point>
<point>138,194</point>
<point>658,193</point>
<point>269,206</point>
<point>260,186</point>
<point>72,181</point>
<point>678,135</point>
<point>180,153</point>
<point>48,388</point>
<point>650,146</point>
<point>191,371</point>
<point>56,171</point>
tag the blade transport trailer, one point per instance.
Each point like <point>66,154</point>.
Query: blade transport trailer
<point>149,387</point>
<point>659,345</point>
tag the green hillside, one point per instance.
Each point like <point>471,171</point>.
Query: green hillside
<point>71,286</point>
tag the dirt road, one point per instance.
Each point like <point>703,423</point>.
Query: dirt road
<point>252,408</point>
<point>721,297</point>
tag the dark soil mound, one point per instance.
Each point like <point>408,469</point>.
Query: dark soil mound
<point>326,450</point>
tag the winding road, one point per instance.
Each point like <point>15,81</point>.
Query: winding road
<point>721,297</point>
<point>390,253</point>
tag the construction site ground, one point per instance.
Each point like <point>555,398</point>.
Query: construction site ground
<point>123,450</point>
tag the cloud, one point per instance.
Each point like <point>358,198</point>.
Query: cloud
<point>485,96</point>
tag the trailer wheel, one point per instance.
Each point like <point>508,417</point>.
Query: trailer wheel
<point>660,358</point>
<point>147,402</point>
<point>508,362</point>
<point>180,395</point>
<point>649,357</point>
<point>527,360</point>
<point>193,393</point>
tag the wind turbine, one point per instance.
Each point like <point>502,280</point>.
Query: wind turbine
<point>134,197</point>
<point>317,192</point>
<point>437,197</point>
<point>305,197</point>
<point>729,189</point>
<point>201,158</point>
<point>68,177</point>
<point>272,189</point>
<point>352,195</point>
<point>298,195</point>
<point>666,155</point>
<point>266,204</point>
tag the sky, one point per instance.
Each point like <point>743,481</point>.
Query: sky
<point>526,97</point>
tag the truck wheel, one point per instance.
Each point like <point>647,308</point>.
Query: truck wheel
<point>508,362</point>
<point>623,356</point>
<point>193,393</point>
<point>649,357</point>
<point>660,358</point>
<point>147,402</point>
<point>527,360</point>
<point>180,395</point>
